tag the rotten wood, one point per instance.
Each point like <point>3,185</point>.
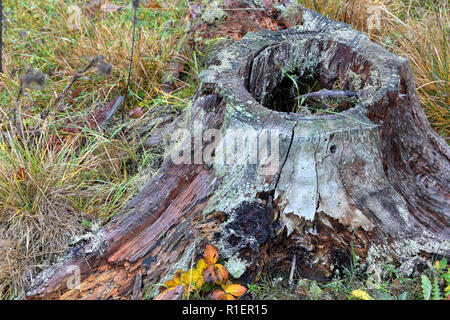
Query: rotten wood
<point>374,177</point>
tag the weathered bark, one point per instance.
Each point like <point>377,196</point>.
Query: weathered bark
<point>374,174</point>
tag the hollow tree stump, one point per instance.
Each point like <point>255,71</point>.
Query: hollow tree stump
<point>372,173</point>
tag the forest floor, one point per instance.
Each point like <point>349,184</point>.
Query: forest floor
<point>64,171</point>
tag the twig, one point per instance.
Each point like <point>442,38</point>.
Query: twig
<point>329,94</point>
<point>16,122</point>
<point>135,7</point>
<point>74,79</point>
<point>109,113</point>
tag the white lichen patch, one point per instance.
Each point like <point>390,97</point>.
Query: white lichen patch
<point>213,73</point>
<point>236,266</point>
<point>309,22</point>
<point>355,79</point>
<point>288,9</point>
<point>95,226</point>
<point>213,13</point>
<point>407,252</point>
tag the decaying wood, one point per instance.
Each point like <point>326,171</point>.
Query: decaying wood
<point>374,177</point>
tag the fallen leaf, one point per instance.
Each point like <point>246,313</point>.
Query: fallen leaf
<point>174,282</point>
<point>201,265</point>
<point>21,174</point>
<point>171,294</point>
<point>211,254</point>
<point>217,295</point>
<point>74,94</point>
<point>151,4</point>
<point>209,274</point>
<point>221,273</point>
<point>193,278</point>
<point>234,290</point>
<point>361,294</point>
<point>136,113</point>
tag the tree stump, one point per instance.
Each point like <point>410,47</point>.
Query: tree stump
<point>262,178</point>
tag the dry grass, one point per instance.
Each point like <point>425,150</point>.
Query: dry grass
<point>38,37</point>
<point>51,191</point>
<point>45,195</point>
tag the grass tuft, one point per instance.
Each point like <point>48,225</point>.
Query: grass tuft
<point>55,182</point>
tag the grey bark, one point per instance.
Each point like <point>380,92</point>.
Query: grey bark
<point>372,175</point>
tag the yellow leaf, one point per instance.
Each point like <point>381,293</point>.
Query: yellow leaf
<point>192,279</point>
<point>174,282</point>
<point>211,254</point>
<point>436,265</point>
<point>236,290</point>
<point>229,297</point>
<point>225,284</point>
<point>171,284</point>
<point>201,265</point>
<point>361,294</point>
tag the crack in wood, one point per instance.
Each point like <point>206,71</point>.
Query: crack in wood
<point>317,177</point>
<point>356,187</point>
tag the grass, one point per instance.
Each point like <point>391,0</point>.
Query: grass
<point>52,189</point>
<point>385,282</point>
<point>39,37</point>
<point>46,193</point>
